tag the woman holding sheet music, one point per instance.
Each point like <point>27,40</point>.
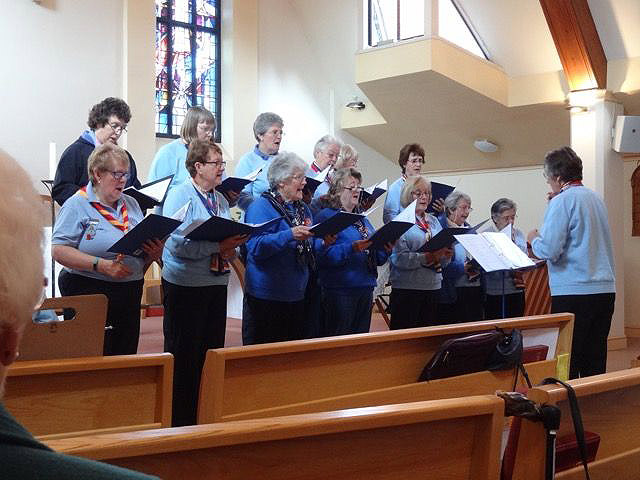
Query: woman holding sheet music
<point>507,284</point>
<point>576,242</point>
<point>416,276</point>
<point>195,277</point>
<point>89,223</point>
<point>347,270</point>
<point>461,296</point>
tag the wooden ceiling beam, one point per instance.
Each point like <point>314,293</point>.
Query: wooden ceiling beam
<point>577,42</point>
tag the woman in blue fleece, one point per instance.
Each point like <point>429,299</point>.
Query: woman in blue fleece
<point>347,270</point>
<point>576,242</point>
<point>195,277</point>
<point>278,260</point>
<point>415,276</point>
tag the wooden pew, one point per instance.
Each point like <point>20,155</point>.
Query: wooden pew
<point>341,372</point>
<point>54,398</point>
<point>391,442</point>
<point>610,406</point>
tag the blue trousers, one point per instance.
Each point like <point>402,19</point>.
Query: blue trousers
<point>347,311</point>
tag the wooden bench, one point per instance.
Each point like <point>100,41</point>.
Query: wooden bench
<point>53,398</point>
<point>350,371</point>
<point>610,406</point>
<point>391,442</point>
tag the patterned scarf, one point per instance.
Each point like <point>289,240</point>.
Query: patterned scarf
<point>298,216</point>
<point>120,225</point>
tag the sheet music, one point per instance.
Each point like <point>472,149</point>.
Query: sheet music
<point>509,250</point>
<point>408,214</point>
<point>323,174</point>
<point>483,251</point>
<point>370,211</point>
<point>182,212</point>
<point>253,175</point>
<point>382,186</point>
<point>157,190</point>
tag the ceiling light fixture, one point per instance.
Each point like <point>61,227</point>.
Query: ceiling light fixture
<point>485,145</point>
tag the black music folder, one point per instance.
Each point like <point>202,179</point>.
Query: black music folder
<point>374,191</point>
<point>153,226</point>
<point>393,230</point>
<point>150,194</point>
<point>439,191</point>
<point>314,182</point>
<point>216,229</point>
<point>446,237</point>
<point>336,223</point>
<point>236,184</point>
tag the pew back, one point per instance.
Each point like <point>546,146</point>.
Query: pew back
<point>391,442</point>
<point>67,396</point>
<point>609,406</point>
<point>254,381</point>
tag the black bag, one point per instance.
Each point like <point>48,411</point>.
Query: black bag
<point>493,350</point>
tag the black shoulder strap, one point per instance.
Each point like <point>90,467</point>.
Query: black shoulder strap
<point>577,420</point>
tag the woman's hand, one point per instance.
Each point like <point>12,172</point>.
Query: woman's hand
<point>438,205</point>
<point>230,243</point>
<point>446,252</point>
<point>367,204</point>
<point>329,240</point>
<point>114,268</point>
<point>388,247</point>
<point>533,234</point>
<point>232,197</point>
<point>301,232</point>
<point>360,245</point>
<point>153,250</point>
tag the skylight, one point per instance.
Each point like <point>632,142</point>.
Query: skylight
<point>452,26</point>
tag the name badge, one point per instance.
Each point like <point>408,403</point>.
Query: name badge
<point>91,229</point>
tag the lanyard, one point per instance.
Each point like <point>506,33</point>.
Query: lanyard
<point>209,202</point>
<point>425,227</point>
<point>120,225</point>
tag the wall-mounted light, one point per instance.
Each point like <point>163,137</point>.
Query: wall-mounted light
<point>356,104</point>
<point>485,145</point>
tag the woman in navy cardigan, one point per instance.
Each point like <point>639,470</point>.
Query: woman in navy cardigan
<point>347,270</point>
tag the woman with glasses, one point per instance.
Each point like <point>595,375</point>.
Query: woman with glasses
<point>416,276</point>
<point>505,290</point>
<point>461,296</point>
<point>347,270</point>
<point>92,220</point>
<point>576,242</point>
<point>279,259</point>
<point>195,276</point>
<point>411,160</point>
<point>199,123</point>
<point>107,122</point>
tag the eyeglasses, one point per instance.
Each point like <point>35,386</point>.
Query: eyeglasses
<point>418,194</point>
<point>467,208</point>
<point>120,175</point>
<point>275,133</point>
<point>298,177</point>
<point>356,188</point>
<point>117,128</point>
<point>508,217</point>
<point>219,163</point>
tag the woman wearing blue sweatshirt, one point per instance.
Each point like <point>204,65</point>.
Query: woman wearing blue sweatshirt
<point>278,259</point>
<point>195,277</point>
<point>347,270</point>
<point>415,276</point>
<point>576,242</point>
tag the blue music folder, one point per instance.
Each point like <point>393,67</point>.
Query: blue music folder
<point>153,226</point>
<point>216,229</point>
<point>336,223</point>
<point>439,191</point>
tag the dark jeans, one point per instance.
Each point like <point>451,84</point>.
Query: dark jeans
<point>413,308</point>
<point>123,309</point>
<point>591,326</point>
<point>195,320</point>
<point>513,306</point>
<point>315,324</point>
<point>468,307</point>
<point>347,312</point>
<point>272,321</point>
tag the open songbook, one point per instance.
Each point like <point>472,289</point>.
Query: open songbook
<point>216,229</point>
<point>336,223</point>
<point>314,182</point>
<point>439,191</point>
<point>393,230</point>
<point>446,237</point>
<point>374,191</point>
<point>494,251</point>
<point>152,226</point>
<point>150,194</point>
<point>236,184</point>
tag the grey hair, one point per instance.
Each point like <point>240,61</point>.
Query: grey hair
<point>347,153</point>
<point>410,184</point>
<point>501,205</point>
<point>284,166</point>
<point>322,144</point>
<point>451,202</point>
<point>104,158</point>
<point>264,121</point>
<point>338,182</point>
<point>22,216</point>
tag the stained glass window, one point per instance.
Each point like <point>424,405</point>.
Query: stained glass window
<point>187,61</point>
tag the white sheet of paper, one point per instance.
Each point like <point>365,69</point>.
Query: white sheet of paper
<point>253,175</point>
<point>323,174</point>
<point>182,212</point>
<point>482,250</point>
<point>157,190</point>
<point>508,231</point>
<point>542,336</point>
<point>370,211</point>
<point>382,185</point>
<point>516,257</point>
<point>408,214</point>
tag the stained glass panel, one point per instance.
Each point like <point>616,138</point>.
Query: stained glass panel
<point>206,71</point>
<point>162,8</point>
<point>206,13</point>
<point>162,79</point>
<point>182,10</point>
<point>182,67</point>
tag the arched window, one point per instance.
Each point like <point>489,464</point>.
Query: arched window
<point>187,61</point>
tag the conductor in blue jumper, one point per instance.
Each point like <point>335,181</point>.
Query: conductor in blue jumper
<point>279,259</point>
<point>89,222</point>
<point>267,129</point>
<point>195,277</point>
<point>576,242</point>
<point>416,276</point>
<point>347,270</point>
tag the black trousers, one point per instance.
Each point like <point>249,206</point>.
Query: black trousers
<point>413,308</point>
<point>591,326</point>
<point>123,309</point>
<point>315,313</point>
<point>195,320</point>
<point>468,307</point>
<point>513,306</point>
<point>272,321</point>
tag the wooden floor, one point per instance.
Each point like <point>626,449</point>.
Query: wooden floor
<point>151,340</point>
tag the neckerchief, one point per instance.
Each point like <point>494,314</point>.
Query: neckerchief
<point>298,217</point>
<point>315,168</point>
<point>120,225</point>
<point>568,185</point>
<point>428,234</point>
